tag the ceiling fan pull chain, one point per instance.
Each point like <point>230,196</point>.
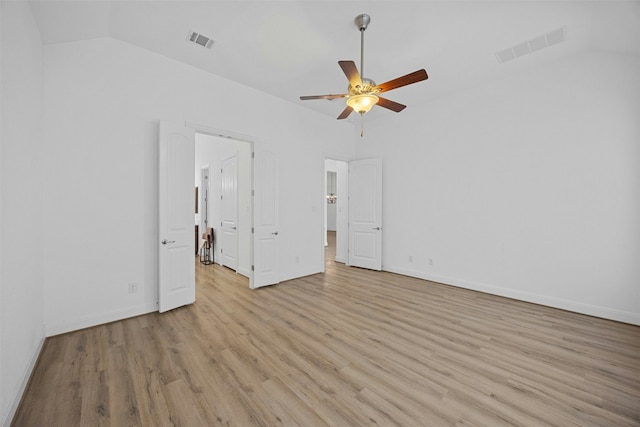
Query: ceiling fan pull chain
<point>361,125</point>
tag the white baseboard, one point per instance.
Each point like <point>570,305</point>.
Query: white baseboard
<point>299,273</point>
<point>99,319</point>
<point>23,384</point>
<point>246,272</point>
<point>574,306</point>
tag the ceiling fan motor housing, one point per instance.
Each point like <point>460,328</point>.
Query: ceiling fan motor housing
<point>368,86</point>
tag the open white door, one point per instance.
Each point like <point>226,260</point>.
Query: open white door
<point>365,214</point>
<point>176,216</point>
<point>229,208</point>
<point>265,231</point>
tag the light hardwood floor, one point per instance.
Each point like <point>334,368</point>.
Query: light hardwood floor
<point>347,348</point>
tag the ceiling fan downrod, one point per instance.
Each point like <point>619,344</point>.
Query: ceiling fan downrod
<point>362,22</point>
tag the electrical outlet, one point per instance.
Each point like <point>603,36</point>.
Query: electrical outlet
<point>133,288</point>
<point>430,261</point>
<point>297,260</point>
<point>410,258</point>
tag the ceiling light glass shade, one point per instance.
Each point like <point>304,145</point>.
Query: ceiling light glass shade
<point>362,103</point>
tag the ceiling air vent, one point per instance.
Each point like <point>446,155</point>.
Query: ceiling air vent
<point>199,39</point>
<point>533,45</point>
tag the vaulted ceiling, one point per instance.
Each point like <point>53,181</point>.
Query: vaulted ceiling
<point>291,48</point>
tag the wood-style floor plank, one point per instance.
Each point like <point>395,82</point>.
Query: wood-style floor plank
<point>350,347</point>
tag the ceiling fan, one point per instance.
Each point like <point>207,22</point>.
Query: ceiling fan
<point>364,93</point>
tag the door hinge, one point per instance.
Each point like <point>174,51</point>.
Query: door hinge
<point>220,197</point>
<point>252,231</point>
<point>253,192</point>
<point>252,268</point>
<point>253,154</point>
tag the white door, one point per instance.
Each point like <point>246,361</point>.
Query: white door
<point>265,231</point>
<point>176,217</point>
<point>365,214</point>
<point>228,236</point>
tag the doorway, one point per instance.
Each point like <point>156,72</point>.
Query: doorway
<point>227,207</point>
<point>336,212</point>
<point>257,220</point>
<point>358,211</point>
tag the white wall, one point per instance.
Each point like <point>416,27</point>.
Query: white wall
<point>4,413</point>
<point>103,99</point>
<point>527,187</point>
<point>21,253</point>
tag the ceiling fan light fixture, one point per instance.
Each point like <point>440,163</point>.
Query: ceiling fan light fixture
<point>362,103</point>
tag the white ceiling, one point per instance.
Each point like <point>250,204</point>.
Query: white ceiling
<point>291,48</point>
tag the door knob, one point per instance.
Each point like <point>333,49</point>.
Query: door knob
<point>376,228</point>
<point>234,228</point>
<point>275,233</point>
<point>165,241</point>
